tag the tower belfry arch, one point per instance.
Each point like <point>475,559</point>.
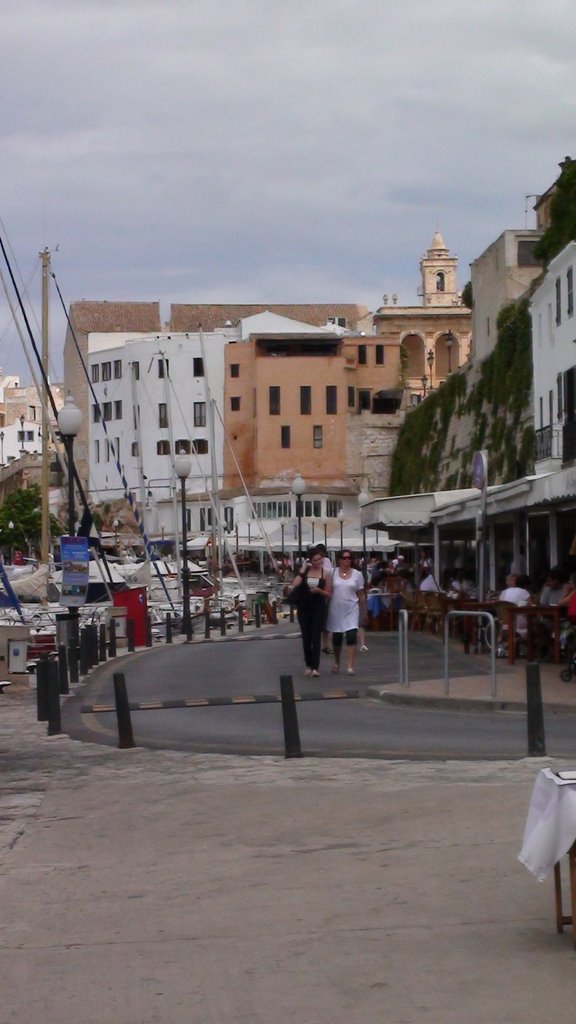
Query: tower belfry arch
<point>438,270</point>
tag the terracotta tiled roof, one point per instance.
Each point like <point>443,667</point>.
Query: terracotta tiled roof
<point>189,317</point>
<point>115,316</point>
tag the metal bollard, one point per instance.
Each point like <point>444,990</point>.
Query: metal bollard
<point>42,689</point>
<point>207,624</point>
<point>125,733</point>
<point>84,652</point>
<point>130,634</point>
<point>168,628</point>
<point>73,660</point>
<point>535,711</point>
<point>241,619</point>
<point>275,613</point>
<point>102,647</point>
<point>53,690</point>
<point>257,615</point>
<point>222,622</point>
<point>112,640</point>
<point>290,718</point>
<point>92,644</point>
<point>63,670</point>
<point>148,631</point>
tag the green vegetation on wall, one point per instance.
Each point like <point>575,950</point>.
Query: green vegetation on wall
<point>497,404</point>
<point>562,215</point>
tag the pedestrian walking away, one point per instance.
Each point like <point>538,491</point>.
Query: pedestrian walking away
<point>313,587</point>
<point>347,610</point>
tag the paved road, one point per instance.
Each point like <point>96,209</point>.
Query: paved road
<point>362,726</point>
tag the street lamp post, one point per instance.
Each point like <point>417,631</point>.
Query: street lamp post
<point>363,499</point>
<point>424,385</point>
<point>313,520</point>
<point>183,468</point>
<point>341,518</point>
<point>430,361</point>
<point>1,447</point>
<point>69,424</point>
<point>282,524</point>
<point>450,339</point>
<point>298,489</point>
<point>325,524</point>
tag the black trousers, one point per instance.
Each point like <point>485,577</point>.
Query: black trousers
<point>311,620</point>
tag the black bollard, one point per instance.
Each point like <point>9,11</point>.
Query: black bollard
<point>112,638</point>
<point>102,649</point>
<point>84,652</point>
<point>168,628</point>
<point>207,624</point>
<point>125,734</point>
<point>222,622</point>
<point>290,718</point>
<point>535,712</point>
<point>42,689</point>
<point>241,619</point>
<point>94,651</point>
<point>275,613</point>
<point>148,631</point>
<point>63,669</point>
<point>257,615</point>
<point>130,633</point>
<point>73,660</point>
<point>53,688</point>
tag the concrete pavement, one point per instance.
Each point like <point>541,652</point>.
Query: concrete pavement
<point>142,887</point>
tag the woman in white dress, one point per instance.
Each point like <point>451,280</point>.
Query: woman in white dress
<point>347,609</point>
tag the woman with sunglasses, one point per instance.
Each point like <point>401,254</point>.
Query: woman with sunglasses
<point>313,586</point>
<point>347,609</point>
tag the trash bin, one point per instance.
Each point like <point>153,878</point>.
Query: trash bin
<point>135,601</point>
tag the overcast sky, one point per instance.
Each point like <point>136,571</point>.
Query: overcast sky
<point>251,150</point>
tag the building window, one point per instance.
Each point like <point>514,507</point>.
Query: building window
<point>235,404</point>
<point>200,445</point>
<point>183,446</point>
<point>312,508</point>
<point>234,369</point>
<point>331,399</point>
<point>440,281</point>
<point>163,367</point>
<point>362,355</point>
<point>274,400</point>
<point>570,291</point>
<point>333,507</point>
<point>134,449</point>
<point>285,437</point>
<point>96,413</point>
<point>117,369</point>
<point>338,321</point>
<point>205,519</point>
<point>106,371</point>
<point>95,373</point>
<point>558,284</point>
<point>118,410</point>
<point>116,451</point>
<point>162,414</point>
<point>136,369</point>
<point>107,409</point>
<point>317,436</point>
<point>97,451</point>
<point>136,415</point>
<point>199,414</point>
<point>559,395</point>
<point>379,355</point>
<point>163,447</point>
<point>31,412</point>
<point>363,399</point>
<point>198,366</point>
<point>305,400</point>
<point>106,451</point>
<point>351,397</point>
<point>229,516</point>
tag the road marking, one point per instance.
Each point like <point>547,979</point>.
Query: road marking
<point>204,702</point>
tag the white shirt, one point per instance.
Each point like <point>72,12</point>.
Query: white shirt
<point>429,583</point>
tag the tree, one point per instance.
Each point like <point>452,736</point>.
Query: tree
<point>562,215</point>
<point>22,508</point>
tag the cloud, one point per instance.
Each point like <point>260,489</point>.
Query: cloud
<point>250,150</point>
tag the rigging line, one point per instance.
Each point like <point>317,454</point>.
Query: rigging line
<point>116,455</point>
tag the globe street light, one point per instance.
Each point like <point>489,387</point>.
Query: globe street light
<point>69,424</point>
<point>298,489</point>
<point>450,339</point>
<point>341,517</point>
<point>183,468</point>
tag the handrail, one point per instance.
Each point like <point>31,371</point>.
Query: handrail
<point>475,615</point>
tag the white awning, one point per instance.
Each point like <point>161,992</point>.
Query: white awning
<point>401,516</point>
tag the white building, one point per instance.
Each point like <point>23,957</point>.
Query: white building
<point>554,358</point>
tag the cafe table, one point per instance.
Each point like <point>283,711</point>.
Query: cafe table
<point>532,612</point>
<point>550,834</point>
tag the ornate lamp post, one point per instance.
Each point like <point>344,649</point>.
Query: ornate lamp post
<point>430,361</point>
<point>298,489</point>
<point>424,385</point>
<point>183,468</point>
<point>69,424</point>
<point>1,447</point>
<point>450,339</point>
<point>341,518</point>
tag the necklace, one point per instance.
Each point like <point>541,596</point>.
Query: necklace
<point>345,573</point>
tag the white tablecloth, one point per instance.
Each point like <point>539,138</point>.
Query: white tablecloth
<point>551,823</point>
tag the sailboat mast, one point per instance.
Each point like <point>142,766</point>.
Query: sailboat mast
<point>44,478</point>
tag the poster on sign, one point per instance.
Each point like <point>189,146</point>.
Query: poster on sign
<point>75,571</point>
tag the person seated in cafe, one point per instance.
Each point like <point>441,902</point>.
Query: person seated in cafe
<point>517,591</point>
<point>428,582</point>
<point>557,590</point>
<point>460,584</point>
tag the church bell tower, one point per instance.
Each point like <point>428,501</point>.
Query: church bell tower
<point>438,269</point>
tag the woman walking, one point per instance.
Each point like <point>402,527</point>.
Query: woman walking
<point>347,610</point>
<point>313,587</point>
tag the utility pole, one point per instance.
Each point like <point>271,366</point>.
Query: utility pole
<point>44,479</point>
